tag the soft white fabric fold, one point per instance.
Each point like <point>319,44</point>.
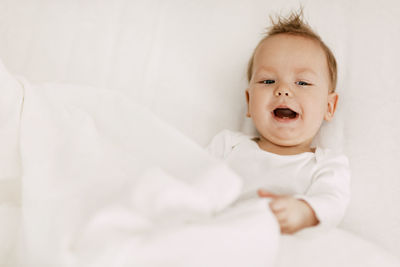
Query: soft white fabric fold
<point>11,101</point>
<point>11,98</point>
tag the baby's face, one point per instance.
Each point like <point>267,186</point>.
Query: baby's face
<point>288,96</point>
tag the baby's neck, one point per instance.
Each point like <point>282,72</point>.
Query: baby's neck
<point>283,150</point>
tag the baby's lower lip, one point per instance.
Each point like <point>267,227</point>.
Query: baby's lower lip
<point>285,119</point>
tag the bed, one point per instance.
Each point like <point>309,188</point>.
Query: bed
<point>83,81</point>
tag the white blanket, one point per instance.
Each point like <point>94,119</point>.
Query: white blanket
<point>105,183</point>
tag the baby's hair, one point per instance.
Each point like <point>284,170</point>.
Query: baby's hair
<point>294,24</point>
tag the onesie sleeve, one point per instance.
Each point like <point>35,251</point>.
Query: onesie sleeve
<point>329,192</point>
<point>220,145</point>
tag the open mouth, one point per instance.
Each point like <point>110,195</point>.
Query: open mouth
<point>285,113</point>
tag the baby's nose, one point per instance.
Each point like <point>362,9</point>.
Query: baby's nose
<point>283,92</point>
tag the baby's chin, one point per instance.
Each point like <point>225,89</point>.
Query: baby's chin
<point>290,144</point>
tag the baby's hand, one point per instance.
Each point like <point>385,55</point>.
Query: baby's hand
<point>292,214</point>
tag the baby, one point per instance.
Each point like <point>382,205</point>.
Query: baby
<point>292,80</point>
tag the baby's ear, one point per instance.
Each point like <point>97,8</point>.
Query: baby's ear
<point>332,104</point>
<point>248,101</point>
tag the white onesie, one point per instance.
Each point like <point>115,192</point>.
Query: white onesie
<point>321,178</point>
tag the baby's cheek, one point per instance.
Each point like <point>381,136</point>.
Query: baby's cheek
<point>314,117</point>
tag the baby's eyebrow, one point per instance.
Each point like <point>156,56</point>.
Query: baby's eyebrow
<point>305,70</point>
<point>264,71</point>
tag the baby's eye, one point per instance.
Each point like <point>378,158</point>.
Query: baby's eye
<point>268,82</point>
<point>302,83</point>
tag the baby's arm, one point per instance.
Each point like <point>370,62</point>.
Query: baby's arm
<point>323,203</point>
<point>292,214</point>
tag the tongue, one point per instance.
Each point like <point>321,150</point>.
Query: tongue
<point>285,113</point>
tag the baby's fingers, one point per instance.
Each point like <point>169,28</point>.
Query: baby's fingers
<point>281,217</point>
<point>264,193</point>
<point>278,205</point>
<point>285,225</point>
<point>283,222</point>
<point>287,229</point>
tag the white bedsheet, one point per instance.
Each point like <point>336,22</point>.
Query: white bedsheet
<point>337,247</point>
<point>105,183</point>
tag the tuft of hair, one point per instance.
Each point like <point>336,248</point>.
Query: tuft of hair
<point>295,24</point>
<point>292,24</point>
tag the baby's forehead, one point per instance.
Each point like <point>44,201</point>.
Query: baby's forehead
<point>288,49</point>
<point>293,41</point>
